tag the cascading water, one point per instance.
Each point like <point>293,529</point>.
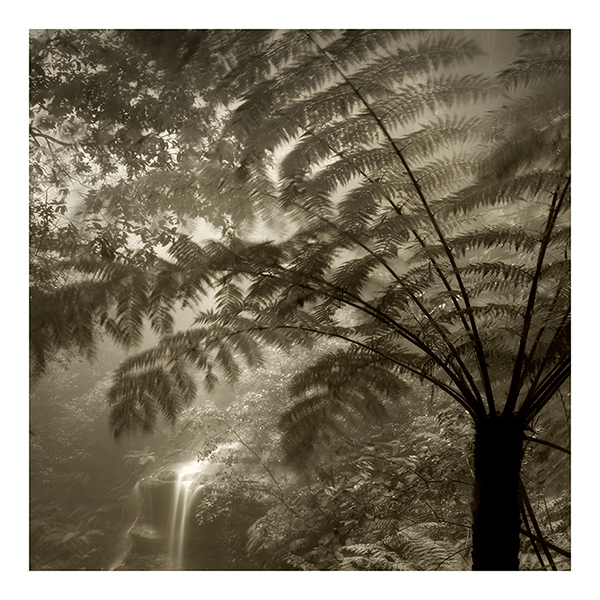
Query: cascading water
<point>188,484</point>
<point>186,488</point>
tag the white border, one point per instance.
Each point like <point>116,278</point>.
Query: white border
<point>436,15</point>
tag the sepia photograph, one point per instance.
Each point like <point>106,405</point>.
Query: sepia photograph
<point>299,300</point>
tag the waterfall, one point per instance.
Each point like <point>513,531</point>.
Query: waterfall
<point>186,488</point>
<point>183,493</point>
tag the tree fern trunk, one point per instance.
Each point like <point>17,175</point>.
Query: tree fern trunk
<point>496,516</point>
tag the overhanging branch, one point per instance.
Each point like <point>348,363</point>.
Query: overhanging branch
<point>35,133</point>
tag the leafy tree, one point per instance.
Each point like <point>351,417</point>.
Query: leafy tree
<point>117,136</point>
<point>402,204</point>
<point>388,498</point>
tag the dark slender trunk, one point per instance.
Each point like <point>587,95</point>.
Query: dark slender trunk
<point>496,515</point>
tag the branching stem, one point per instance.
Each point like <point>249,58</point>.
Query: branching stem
<point>516,381</point>
<point>474,332</point>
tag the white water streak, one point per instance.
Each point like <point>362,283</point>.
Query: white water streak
<point>186,487</point>
<point>185,490</point>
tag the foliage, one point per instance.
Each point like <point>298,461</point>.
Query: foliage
<point>77,477</point>
<point>396,497</point>
<point>396,500</point>
<point>460,277</point>
<point>117,137</point>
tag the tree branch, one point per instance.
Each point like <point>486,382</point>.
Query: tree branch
<point>550,545</point>
<point>364,306</point>
<point>462,370</point>
<point>542,541</point>
<point>549,386</point>
<point>35,132</point>
<point>530,535</point>
<point>516,382</point>
<point>546,443</point>
<point>439,383</point>
<point>529,357</point>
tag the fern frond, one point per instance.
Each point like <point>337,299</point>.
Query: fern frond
<point>229,297</point>
<point>509,272</point>
<point>489,238</point>
<point>137,398</point>
<point>414,101</point>
<point>257,56</point>
<point>334,396</point>
<point>315,147</point>
<point>545,57</point>
<point>317,71</point>
<point>442,134</point>
<point>353,275</point>
<point>492,191</point>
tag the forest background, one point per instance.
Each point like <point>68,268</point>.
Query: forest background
<point>15,444</point>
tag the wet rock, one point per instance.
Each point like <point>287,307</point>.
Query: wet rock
<point>146,539</point>
<point>157,494</point>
